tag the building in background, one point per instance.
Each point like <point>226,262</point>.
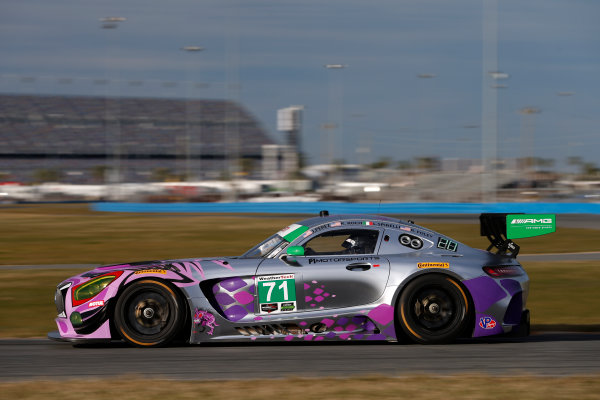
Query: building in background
<point>289,121</point>
<point>91,139</point>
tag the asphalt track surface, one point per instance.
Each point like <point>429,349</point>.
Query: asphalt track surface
<point>545,353</point>
<point>555,354</point>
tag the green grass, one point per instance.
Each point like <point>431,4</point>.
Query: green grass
<point>560,295</point>
<point>564,293</point>
<point>72,234</point>
<point>414,387</point>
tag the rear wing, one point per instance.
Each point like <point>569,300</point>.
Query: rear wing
<point>500,228</point>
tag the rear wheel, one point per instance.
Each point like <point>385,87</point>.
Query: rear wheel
<point>433,309</point>
<point>148,313</point>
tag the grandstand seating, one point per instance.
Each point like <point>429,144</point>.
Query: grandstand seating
<point>65,133</point>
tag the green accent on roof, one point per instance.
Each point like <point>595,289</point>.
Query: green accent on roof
<point>290,237</point>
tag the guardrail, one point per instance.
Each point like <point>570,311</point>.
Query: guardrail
<point>350,208</point>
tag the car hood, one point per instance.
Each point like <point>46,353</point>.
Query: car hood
<point>198,269</point>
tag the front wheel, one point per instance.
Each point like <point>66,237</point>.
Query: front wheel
<point>433,309</point>
<point>148,313</point>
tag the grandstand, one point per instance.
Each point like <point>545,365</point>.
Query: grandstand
<point>72,136</point>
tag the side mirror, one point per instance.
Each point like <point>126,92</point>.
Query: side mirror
<point>295,251</point>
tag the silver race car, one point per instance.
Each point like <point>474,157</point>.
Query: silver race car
<point>338,277</point>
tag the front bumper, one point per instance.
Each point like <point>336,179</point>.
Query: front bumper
<point>55,335</point>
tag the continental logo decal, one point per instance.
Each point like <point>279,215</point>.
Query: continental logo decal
<point>151,271</point>
<point>433,265</point>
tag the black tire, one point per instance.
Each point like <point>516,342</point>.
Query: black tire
<point>149,314</point>
<point>433,309</point>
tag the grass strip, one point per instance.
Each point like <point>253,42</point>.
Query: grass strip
<point>73,234</point>
<point>414,387</point>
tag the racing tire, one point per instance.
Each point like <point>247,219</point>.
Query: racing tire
<point>433,309</point>
<point>149,314</point>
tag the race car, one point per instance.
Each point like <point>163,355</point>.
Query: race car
<point>326,278</point>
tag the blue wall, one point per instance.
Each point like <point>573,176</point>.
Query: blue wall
<point>352,208</point>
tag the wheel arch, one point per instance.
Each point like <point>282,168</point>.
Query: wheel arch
<point>184,301</point>
<point>455,279</point>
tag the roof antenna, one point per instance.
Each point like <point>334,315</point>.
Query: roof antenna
<point>379,207</point>
<point>323,213</point>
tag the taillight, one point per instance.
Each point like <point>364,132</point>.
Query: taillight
<point>501,271</point>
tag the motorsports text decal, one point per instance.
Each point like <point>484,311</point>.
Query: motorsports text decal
<point>276,293</point>
<point>528,225</point>
<point>341,259</point>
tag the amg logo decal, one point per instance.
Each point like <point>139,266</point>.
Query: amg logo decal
<point>532,221</point>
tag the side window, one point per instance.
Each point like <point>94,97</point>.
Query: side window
<point>346,241</point>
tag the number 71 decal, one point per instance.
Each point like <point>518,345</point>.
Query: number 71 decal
<point>276,293</point>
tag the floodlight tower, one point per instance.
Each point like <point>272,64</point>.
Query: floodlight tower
<point>188,139</point>
<point>114,175</point>
<point>528,136</point>
<point>489,106</point>
<point>335,114</point>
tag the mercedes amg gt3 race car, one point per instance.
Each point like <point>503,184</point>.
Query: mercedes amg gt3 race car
<point>338,277</point>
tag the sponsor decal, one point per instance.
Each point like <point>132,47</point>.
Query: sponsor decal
<point>269,308</point>
<point>151,271</point>
<point>274,291</point>
<point>97,303</point>
<point>205,321</point>
<point>528,225</point>
<point>335,224</point>
<point>341,259</point>
<point>288,306</point>
<point>433,265</point>
<point>487,322</point>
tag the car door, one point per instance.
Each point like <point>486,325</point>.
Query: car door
<point>331,274</point>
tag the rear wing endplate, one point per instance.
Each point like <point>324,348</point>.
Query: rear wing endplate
<point>500,228</point>
<point>493,225</point>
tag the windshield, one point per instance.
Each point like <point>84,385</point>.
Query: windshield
<point>264,248</point>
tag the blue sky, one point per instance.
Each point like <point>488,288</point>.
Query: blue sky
<point>273,52</point>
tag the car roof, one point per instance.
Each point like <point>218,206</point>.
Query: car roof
<point>315,221</point>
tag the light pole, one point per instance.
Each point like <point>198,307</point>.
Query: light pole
<point>112,23</point>
<point>334,117</point>
<point>188,145</point>
<point>565,126</point>
<point>528,135</point>
<point>489,106</point>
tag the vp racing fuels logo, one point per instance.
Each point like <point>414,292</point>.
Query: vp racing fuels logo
<point>487,322</point>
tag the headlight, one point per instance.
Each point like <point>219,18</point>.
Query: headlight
<point>85,291</point>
